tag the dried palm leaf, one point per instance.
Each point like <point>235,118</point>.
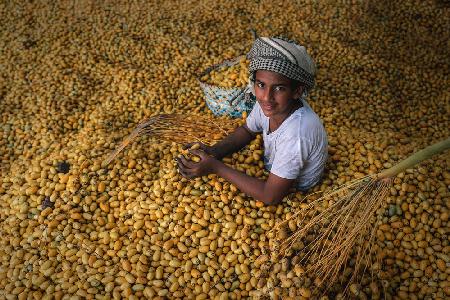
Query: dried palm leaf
<point>343,223</point>
<point>179,129</point>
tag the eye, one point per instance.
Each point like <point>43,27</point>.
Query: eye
<point>260,84</point>
<point>279,88</point>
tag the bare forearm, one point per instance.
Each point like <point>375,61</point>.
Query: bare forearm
<point>270,191</point>
<point>251,186</point>
<point>232,143</point>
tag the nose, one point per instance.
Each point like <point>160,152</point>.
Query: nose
<point>267,95</point>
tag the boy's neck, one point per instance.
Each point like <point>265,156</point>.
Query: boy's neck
<point>276,121</point>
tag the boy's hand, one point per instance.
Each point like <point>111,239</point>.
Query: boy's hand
<point>205,166</point>
<point>208,149</point>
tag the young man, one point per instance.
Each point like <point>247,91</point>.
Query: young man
<point>295,141</point>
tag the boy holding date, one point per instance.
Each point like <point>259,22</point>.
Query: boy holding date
<point>295,141</point>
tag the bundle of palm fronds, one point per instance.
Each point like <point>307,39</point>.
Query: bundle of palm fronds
<point>338,229</point>
<point>179,128</point>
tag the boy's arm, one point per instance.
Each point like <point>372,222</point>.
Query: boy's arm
<point>271,191</point>
<point>232,143</point>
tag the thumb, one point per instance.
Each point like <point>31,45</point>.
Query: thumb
<point>199,152</point>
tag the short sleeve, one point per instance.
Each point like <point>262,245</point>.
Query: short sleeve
<point>290,157</point>
<point>254,119</point>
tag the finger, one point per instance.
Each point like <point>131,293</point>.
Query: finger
<point>183,170</point>
<point>201,153</point>
<point>186,163</point>
<point>180,164</point>
<point>185,174</point>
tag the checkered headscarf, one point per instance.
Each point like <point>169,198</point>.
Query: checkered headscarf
<point>284,57</point>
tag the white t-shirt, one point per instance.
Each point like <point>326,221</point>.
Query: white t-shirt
<point>298,149</point>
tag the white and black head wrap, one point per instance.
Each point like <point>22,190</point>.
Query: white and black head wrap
<point>284,57</point>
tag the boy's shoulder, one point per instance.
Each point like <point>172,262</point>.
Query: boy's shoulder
<point>305,122</point>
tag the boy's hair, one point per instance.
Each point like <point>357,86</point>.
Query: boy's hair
<point>284,57</point>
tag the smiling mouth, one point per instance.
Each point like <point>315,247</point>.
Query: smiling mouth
<point>268,107</point>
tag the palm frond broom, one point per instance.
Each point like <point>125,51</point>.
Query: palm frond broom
<point>343,223</point>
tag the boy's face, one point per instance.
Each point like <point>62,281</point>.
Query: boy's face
<point>275,93</point>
